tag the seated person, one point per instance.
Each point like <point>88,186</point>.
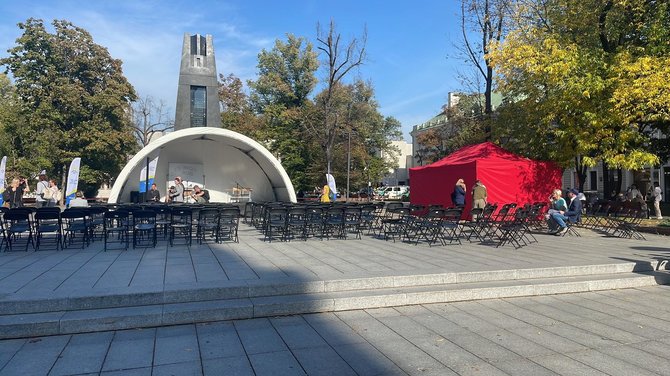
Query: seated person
<point>200,196</point>
<point>556,204</point>
<point>79,201</point>
<point>572,215</point>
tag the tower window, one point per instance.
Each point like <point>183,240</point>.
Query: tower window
<point>198,106</point>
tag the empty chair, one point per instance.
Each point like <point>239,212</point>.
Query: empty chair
<point>96,219</point>
<point>144,228</point>
<point>352,221</point>
<point>115,228</point>
<point>333,222</point>
<point>17,225</point>
<point>75,227</point>
<point>181,225</point>
<point>48,228</point>
<point>314,221</point>
<point>296,223</point>
<point>208,224</point>
<point>229,219</point>
<point>275,224</point>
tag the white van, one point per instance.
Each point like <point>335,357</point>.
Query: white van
<point>394,192</point>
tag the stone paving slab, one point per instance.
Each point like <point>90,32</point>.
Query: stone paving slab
<point>93,272</point>
<point>591,333</point>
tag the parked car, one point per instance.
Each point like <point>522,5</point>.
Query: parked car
<point>394,192</point>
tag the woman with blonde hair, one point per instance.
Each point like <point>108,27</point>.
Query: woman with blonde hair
<point>557,204</point>
<point>458,195</point>
<point>14,193</point>
<point>325,194</point>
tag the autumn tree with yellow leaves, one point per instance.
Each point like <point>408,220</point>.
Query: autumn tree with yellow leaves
<point>586,81</point>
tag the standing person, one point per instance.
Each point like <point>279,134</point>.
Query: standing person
<point>14,193</point>
<point>657,200</point>
<point>55,193</point>
<point>177,195</point>
<point>325,194</point>
<point>479,195</point>
<point>458,195</point>
<point>42,199</point>
<point>154,194</point>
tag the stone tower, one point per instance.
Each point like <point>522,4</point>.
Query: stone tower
<point>197,93</point>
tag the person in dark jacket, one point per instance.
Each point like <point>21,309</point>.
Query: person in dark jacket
<point>458,195</point>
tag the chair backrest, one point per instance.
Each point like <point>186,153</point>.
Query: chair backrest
<point>47,214</point>
<point>393,205</point>
<point>144,216</point>
<point>16,215</point>
<point>74,213</point>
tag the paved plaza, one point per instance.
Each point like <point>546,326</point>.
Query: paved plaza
<point>610,332</point>
<point>93,271</point>
<point>621,332</point>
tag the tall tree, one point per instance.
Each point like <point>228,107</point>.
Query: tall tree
<point>483,23</point>
<point>149,118</point>
<point>279,95</point>
<point>75,100</point>
<point>566,68</point>
<point>339,61</point>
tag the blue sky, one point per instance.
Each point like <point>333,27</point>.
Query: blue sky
<point>411,54</point>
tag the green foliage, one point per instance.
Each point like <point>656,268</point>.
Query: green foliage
<point>283,113</point>
<point>586,81</point>
<point>74,101</point>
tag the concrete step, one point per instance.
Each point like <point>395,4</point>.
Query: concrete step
<point>23,303</point>
<point>152,315</point>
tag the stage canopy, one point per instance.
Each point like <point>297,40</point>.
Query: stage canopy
<point>220,160</point>
<point>508,177</point>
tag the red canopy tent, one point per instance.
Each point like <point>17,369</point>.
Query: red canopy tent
<point>508,177</point>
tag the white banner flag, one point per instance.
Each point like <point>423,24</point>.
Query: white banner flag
<point>3,164</point>
<point>152,175</point>
<point>72,180</point>
<point>333,188</point>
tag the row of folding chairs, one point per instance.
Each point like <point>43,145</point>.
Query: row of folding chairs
<point>615,219</point>
<point>176,223</point>
<point>48,227</point>
<point>287,221</point>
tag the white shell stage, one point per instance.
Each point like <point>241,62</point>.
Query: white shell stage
<point>231,166</point>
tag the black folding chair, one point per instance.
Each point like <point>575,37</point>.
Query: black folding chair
<point>48,227</point>
<point>296,223</point>
<point>76,227</point>
<point>208,224</point>
<point>181,225</point>
<point>116,229</point>
<point>144,228</point>
<point>17,225</point>
<point>229,220</point>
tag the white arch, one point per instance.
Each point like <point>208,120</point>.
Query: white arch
<point>231,158</point>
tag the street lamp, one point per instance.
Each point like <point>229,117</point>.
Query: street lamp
<point>348,163</point>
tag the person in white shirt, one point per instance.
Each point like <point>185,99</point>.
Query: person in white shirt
<point>42,186</point>
<point>657,200</point>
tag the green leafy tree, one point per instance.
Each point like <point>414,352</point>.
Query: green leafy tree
<point>279,95</point>
<point>574,71</point>
<point>75,102</point>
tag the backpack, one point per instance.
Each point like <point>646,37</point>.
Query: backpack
<point>47,193</point>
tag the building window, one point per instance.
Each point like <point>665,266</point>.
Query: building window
<point>593,180</point>
<point>198,106</point>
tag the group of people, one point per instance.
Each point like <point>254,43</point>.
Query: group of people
<point>479,194</point>
<point>655,195</point>
<point>561,212</point>
<point>177,193</point>
<point>47,192</point>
